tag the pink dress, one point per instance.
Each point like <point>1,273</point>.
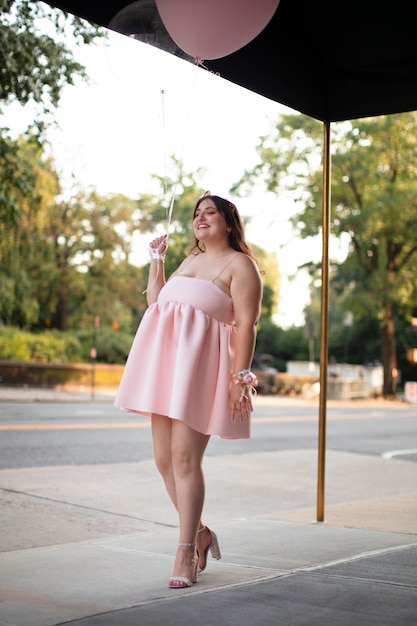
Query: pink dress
<point>181,359</point>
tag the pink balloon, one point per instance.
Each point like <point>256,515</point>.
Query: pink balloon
<point>211,29</point>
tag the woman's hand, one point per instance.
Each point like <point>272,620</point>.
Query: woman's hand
<point>240,401</point>
<point>158,247</point>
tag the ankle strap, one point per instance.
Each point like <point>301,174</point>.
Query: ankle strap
<point>187,545</point>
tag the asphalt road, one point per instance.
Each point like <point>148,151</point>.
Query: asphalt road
<point>52,434</point>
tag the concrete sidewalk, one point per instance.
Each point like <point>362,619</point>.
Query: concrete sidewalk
<point>95,545</point>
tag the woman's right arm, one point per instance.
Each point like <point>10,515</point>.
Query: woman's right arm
<point>156,276</point>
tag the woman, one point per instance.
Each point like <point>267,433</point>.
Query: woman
<point>188,368</point>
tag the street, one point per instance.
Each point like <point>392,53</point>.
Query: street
<point>51,434</point>
<point>88,529</point>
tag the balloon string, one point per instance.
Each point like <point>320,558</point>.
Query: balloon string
<point>171,206</point>
<point>200,63</point>
<point>165,173</point>
<point>174,189</point>
<point>164,140</point>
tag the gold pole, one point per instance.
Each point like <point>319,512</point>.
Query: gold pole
<point>324,323</point>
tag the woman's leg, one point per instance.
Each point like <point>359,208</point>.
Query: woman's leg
<point>161,435</point>
<point>187,449</point>
<point>163,442</point>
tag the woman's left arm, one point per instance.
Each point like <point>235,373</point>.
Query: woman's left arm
<point>246,293</point>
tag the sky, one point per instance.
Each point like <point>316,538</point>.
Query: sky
<point>142,105</point>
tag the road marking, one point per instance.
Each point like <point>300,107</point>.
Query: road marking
<point>72,426</point>
<point>146,424</point>
<point>392,453</point>
<point>334,416</point>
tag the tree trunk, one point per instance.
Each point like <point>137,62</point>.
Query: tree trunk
<point>389,353</point>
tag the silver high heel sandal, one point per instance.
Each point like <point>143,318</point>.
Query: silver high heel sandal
<point>182,582</point>
<point>213,547</point>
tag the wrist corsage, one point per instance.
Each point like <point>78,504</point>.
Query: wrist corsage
<point>156,255</point>
<point>248,382</point>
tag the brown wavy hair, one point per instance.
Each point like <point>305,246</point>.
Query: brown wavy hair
<point>233,220</point>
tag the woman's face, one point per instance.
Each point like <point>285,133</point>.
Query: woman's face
<point>208,222</point>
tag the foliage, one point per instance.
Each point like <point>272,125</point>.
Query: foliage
<point>276,346</point>
<point>66,259</point>
<point>28,183</point>
<point>51,346</point>
<point>90,239</point>
<point>374,184</point>
<point>47,347</point>
<point>35,61</point>
<point>70,256</point>
<point>35,66</point>
<point>112,345</point>
<point>77,260</point>
<point>179,191</point>
<point>268,265</point>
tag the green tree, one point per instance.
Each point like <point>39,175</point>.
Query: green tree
<point>35,65</point>
<point>111,282</point>
<point>268,265</point>
<point>61,255</point>
<point>35,60</point>
<point>91,241</point>
<point>374,184</point>
<point>31,189</point>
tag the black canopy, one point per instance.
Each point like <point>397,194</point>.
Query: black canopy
<point>330,60</point>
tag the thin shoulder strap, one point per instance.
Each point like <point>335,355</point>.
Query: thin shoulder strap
<point>223,268</point>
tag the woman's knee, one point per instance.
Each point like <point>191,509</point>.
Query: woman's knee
<point>185,462</point>
<point>163,464</point>
<point>161,434</point>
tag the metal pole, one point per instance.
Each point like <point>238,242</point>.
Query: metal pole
<point>324,322</point>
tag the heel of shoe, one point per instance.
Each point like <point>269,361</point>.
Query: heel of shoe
<point>214,547</point>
